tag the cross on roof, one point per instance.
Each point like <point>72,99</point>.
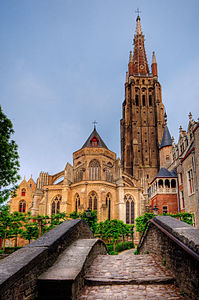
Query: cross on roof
<point>94,122</point>
<point>137,11</point>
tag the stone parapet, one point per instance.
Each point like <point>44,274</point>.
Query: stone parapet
<point>20,270</point>
<point>177,245</point>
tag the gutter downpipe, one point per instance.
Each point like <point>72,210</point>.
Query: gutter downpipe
<point>178,198</point>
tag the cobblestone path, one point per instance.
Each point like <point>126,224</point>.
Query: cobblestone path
<point>129,277</point>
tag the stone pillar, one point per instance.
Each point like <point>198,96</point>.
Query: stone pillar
<point>121,204</point>
<point>65,203</point>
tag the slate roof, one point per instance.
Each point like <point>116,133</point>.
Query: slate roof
<point>166,173</point>
<point>166,139</point>
<point>101,144</point>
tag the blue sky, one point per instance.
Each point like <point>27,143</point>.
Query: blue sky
<point>63,66</point>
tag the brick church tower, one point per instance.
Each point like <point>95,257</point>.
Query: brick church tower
<point>142,123</point>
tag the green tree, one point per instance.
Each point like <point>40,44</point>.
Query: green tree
<point>5,224</point>
<point>30,231</point>
<point>17,221</point>
<point>9,159</point>
<point>141,221</point>
<point>90,217</point>
<point>56,220</point>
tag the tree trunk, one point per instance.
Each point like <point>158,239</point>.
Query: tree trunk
<point>114,246</point>
<point>16,241</point>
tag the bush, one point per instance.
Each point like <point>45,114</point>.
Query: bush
<point>119,247</point>
<point>113,253</point>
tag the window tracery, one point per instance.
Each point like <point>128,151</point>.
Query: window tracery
<point>129,209</point>
<point>94,170</point>
<point>55,207</point>
<point>92,201</point>
<point>77,202</point>
<point>22,206</point>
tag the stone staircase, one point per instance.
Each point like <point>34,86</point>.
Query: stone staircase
<point>129,277</point>
<point>65,278</point>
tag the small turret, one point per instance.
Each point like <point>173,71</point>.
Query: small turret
<point>165,147</point>
<point>154,65</point>
<point>130,64</point>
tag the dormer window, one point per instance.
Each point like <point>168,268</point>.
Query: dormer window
<point>94,142</point>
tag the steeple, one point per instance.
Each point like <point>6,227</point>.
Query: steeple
<point>140,64</point>
<point>142,124</point>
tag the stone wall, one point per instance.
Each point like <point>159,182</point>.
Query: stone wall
<point>184,266</point>
<point>20,270</point>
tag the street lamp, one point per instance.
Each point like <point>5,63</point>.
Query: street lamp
<point>155,210</point>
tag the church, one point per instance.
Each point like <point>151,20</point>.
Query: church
<point>98,180</point>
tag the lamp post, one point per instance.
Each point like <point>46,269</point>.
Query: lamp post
<point>88,215</point>
<point>155,210</point>
<point>86,183</point>
<point>40,226</point>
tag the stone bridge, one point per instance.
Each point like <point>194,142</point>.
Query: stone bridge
<point>68,263</point>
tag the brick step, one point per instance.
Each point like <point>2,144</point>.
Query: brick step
<point>132,292</point>
<point>65,278</point>
<point>153,280</point>
<point>140,269</point>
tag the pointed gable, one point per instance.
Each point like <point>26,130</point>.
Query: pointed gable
<point>166,139</point>
<point>94,140</point>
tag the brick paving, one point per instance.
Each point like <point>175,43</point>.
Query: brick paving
<point>128,277</point>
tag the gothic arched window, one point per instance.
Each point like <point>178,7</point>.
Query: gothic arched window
<point>129,209</point>
<point>109,175</point>
<point>78,175</point>
<point>94,170</point>
<point>108,205</point>
<point>92,201</point>
<point>23,192</point>
<point>55,207</point>
<point>77,202</point>
<point>22,206</point>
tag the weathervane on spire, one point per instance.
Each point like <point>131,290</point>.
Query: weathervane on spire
<point>94,122</point>
<point>137,11</point>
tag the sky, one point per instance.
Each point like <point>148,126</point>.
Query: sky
<point>63,65</point>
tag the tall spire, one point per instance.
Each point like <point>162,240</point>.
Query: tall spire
<point>140,64</point>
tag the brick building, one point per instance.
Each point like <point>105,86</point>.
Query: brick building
<point>185,160</point>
